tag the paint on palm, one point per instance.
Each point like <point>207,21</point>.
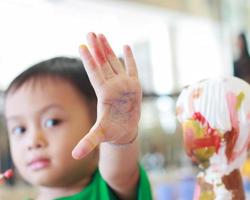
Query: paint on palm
<point>215,117</point>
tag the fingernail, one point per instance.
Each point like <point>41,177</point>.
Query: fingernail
<point>82,46</point>
<point>93,34</point>
<point>82,49</point>
<point>102,36</point>
<point>127,48</point>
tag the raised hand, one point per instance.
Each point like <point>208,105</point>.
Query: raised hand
<point>118,92</point>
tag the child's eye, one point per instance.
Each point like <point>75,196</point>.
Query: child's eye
<point>19,130</point>
<point>52,122</point>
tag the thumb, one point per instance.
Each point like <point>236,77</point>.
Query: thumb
<point>88,143</point>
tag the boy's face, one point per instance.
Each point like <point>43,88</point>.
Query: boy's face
<point>45,120</point>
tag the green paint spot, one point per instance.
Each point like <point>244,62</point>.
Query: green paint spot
<point>240,98</point>
<point>207,195</point>
<point>203,155</point>
<point>195,126</point>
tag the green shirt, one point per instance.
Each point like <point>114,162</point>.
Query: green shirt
<point>98,189</point>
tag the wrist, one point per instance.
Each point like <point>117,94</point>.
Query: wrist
<point>124,141</point>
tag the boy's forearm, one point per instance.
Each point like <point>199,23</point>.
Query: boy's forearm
<point>118,165</point>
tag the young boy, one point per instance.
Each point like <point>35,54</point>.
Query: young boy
<point>50,110</point>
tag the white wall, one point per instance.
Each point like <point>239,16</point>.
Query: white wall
<point>33,30</point>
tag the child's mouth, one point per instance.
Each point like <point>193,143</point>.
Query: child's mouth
<point>38,163</point>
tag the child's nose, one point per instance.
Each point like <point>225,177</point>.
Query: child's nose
<point>37,140</point>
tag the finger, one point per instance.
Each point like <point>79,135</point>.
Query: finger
<point>88,144</point>
<point>99,56</point>
<point>130,62</point>
<point>93,71</point>
<point>110,55</point>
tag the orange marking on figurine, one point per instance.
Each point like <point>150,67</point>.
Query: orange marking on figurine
<point>179,111</point>
<point>197,93</point>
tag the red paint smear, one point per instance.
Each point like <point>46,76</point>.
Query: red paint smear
<point>234,155</point>
<point>206,142</point>
<point>189,141</point>
<point>199,117</point>
<point>106,47</point>
<point>97,49</point>
<point>99,56</point>
<point>211,139</point>
<point>231,103</point>
<point>232,136</point>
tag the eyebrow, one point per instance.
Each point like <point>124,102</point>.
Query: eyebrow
<point>43,110</point>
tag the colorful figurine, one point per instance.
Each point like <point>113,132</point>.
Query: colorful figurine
<point>215,117</point>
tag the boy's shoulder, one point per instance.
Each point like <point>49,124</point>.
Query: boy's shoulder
<point>98,189</point>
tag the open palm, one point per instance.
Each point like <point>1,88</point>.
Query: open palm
<point>118,92</point>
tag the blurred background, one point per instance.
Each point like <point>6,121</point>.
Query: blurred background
<point>175,44</point>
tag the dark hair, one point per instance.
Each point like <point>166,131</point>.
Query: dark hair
<point>244,50</point>
<point>69,69</point>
